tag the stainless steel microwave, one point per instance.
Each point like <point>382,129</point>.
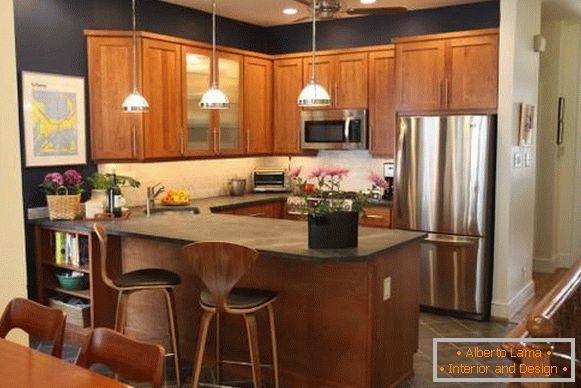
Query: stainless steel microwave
<point>334,129</point>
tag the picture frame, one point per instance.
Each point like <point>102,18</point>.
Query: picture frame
<point>527,124</point>
<point>53,107</point>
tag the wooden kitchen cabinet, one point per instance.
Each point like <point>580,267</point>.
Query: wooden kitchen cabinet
<point>345,76</point>
<point>115,135</point>
<point>473,74</point>
<point>420,74</point>
<point>288,83</point>
<point>273,209</point>
<point>376,216</point>
<point>162,87</point>
<point>443,73</point>
<point>382,117</point>
<point>228,123</point>
<point>258,109</point>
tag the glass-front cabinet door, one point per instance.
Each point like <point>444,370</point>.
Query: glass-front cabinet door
<point>198,137</point>
<point>229,120</point>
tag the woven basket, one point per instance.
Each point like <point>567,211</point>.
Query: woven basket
<point>63,207</point>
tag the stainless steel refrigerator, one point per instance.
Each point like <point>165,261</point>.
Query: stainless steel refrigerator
<point>444,186</point>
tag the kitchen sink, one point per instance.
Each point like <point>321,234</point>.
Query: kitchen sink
<point>176,209</point>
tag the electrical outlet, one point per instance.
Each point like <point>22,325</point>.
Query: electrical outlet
<point>517,159</point>
<point>527,158</point>
<point>387,288</point>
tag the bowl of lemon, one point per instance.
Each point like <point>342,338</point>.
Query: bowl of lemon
<point>176,198</point>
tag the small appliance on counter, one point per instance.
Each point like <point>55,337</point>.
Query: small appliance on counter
<point>388,174</point>
<point>237,187</point>
<point>270,181</point>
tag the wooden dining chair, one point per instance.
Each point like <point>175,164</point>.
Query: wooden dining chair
<point>40,322</point>
<point>221,265</point>
<point>133,360</point>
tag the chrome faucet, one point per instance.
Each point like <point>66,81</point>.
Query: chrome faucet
<point>152,193</point>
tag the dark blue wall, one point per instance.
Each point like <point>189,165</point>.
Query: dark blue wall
<point>49,39</point>
<point>378,30</point>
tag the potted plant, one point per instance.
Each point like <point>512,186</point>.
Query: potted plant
<point>333,215</point>
<point>63,194</point>
<point>100,183</point>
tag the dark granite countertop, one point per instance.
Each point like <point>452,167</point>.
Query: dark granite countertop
<point>274,237</point>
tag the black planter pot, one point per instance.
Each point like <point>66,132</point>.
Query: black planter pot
<point>334,230</point>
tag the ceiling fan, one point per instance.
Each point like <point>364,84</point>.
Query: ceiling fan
<point>329,9</point>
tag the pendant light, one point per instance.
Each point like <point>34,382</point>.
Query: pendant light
<point>314,94</point>
<point>214,98</point>
<point>135,102</point>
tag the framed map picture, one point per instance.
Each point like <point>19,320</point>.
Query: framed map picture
<point>54,119</point>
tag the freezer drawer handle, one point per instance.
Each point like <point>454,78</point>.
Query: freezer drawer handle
<point>460,242</point>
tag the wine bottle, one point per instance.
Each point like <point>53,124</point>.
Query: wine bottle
<point>114,197</point>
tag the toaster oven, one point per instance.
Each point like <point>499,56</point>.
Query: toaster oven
<point>270,180</point>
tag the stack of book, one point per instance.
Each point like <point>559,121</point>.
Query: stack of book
<point>71,249</point>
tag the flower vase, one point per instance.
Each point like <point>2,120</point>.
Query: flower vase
<point>335,230</point>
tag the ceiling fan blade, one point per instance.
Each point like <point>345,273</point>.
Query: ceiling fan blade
<point>305,2</point>
<point>376,11</point>
<point>300,20</point>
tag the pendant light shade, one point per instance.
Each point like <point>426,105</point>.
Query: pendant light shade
<point>314,94</point>
<point>214,98</point>
<point>135,102</point>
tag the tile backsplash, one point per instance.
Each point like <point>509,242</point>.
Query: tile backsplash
<point>209,178</point>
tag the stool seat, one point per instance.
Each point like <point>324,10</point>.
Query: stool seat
<point>151,277</point>
<point>241,298</point>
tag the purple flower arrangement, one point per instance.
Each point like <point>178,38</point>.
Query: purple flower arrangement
<point>55,183</point>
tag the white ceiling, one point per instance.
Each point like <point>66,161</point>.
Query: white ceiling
<point>561,9</point>
<point>269,12</point>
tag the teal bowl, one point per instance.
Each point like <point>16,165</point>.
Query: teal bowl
<point>73,283</point>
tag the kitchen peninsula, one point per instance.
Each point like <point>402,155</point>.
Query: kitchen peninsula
<point>345,318</point>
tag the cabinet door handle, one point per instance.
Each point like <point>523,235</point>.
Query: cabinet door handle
<point>336,94</point>
<point>446,93</point>
<point>215,135</point>
<point>375,216</point>
<point>133,142</point>
<point>182,134</point>
<point>247,139</point>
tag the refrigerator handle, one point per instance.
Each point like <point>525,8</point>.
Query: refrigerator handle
<point>457,241</point>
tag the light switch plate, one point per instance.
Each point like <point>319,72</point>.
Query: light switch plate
<point>527,158</point>
<point>517,159</point>
<point>387,288</point>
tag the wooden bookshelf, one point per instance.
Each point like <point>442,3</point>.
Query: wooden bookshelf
<point>101,298</point>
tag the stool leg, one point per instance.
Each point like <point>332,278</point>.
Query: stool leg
<point>273,343</point>
<point>218,349</point>
<point>173,330</point>
<point>251,329</point>
<point>121,313</point>
<point>202,336</point>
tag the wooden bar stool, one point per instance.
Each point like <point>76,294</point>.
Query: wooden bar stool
<point>140,280</point>
<point>221,265</point>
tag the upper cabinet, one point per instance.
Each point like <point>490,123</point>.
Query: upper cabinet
<point>288,83</point>
<point>115,135</point>
<point>381,103</point>
<point>345,76</point>
<point>162,85</point>
<point>447,72</point>
<point>258,106</point>
<point>228,122</point>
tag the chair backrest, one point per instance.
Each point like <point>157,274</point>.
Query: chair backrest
<point>41,322</point>
<point>220,265</point>
<point>133,360</point>
<point>101,232</point>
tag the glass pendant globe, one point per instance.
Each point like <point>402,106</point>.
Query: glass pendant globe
<point>314,95</point>
<point>214,98</point>
<point>135,102</point>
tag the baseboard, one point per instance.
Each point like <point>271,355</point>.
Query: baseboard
<point>545,264</point>
<point>515,304</point>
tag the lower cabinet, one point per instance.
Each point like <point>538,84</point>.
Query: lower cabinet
<point>276,209</point>
<point>378,216</point>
